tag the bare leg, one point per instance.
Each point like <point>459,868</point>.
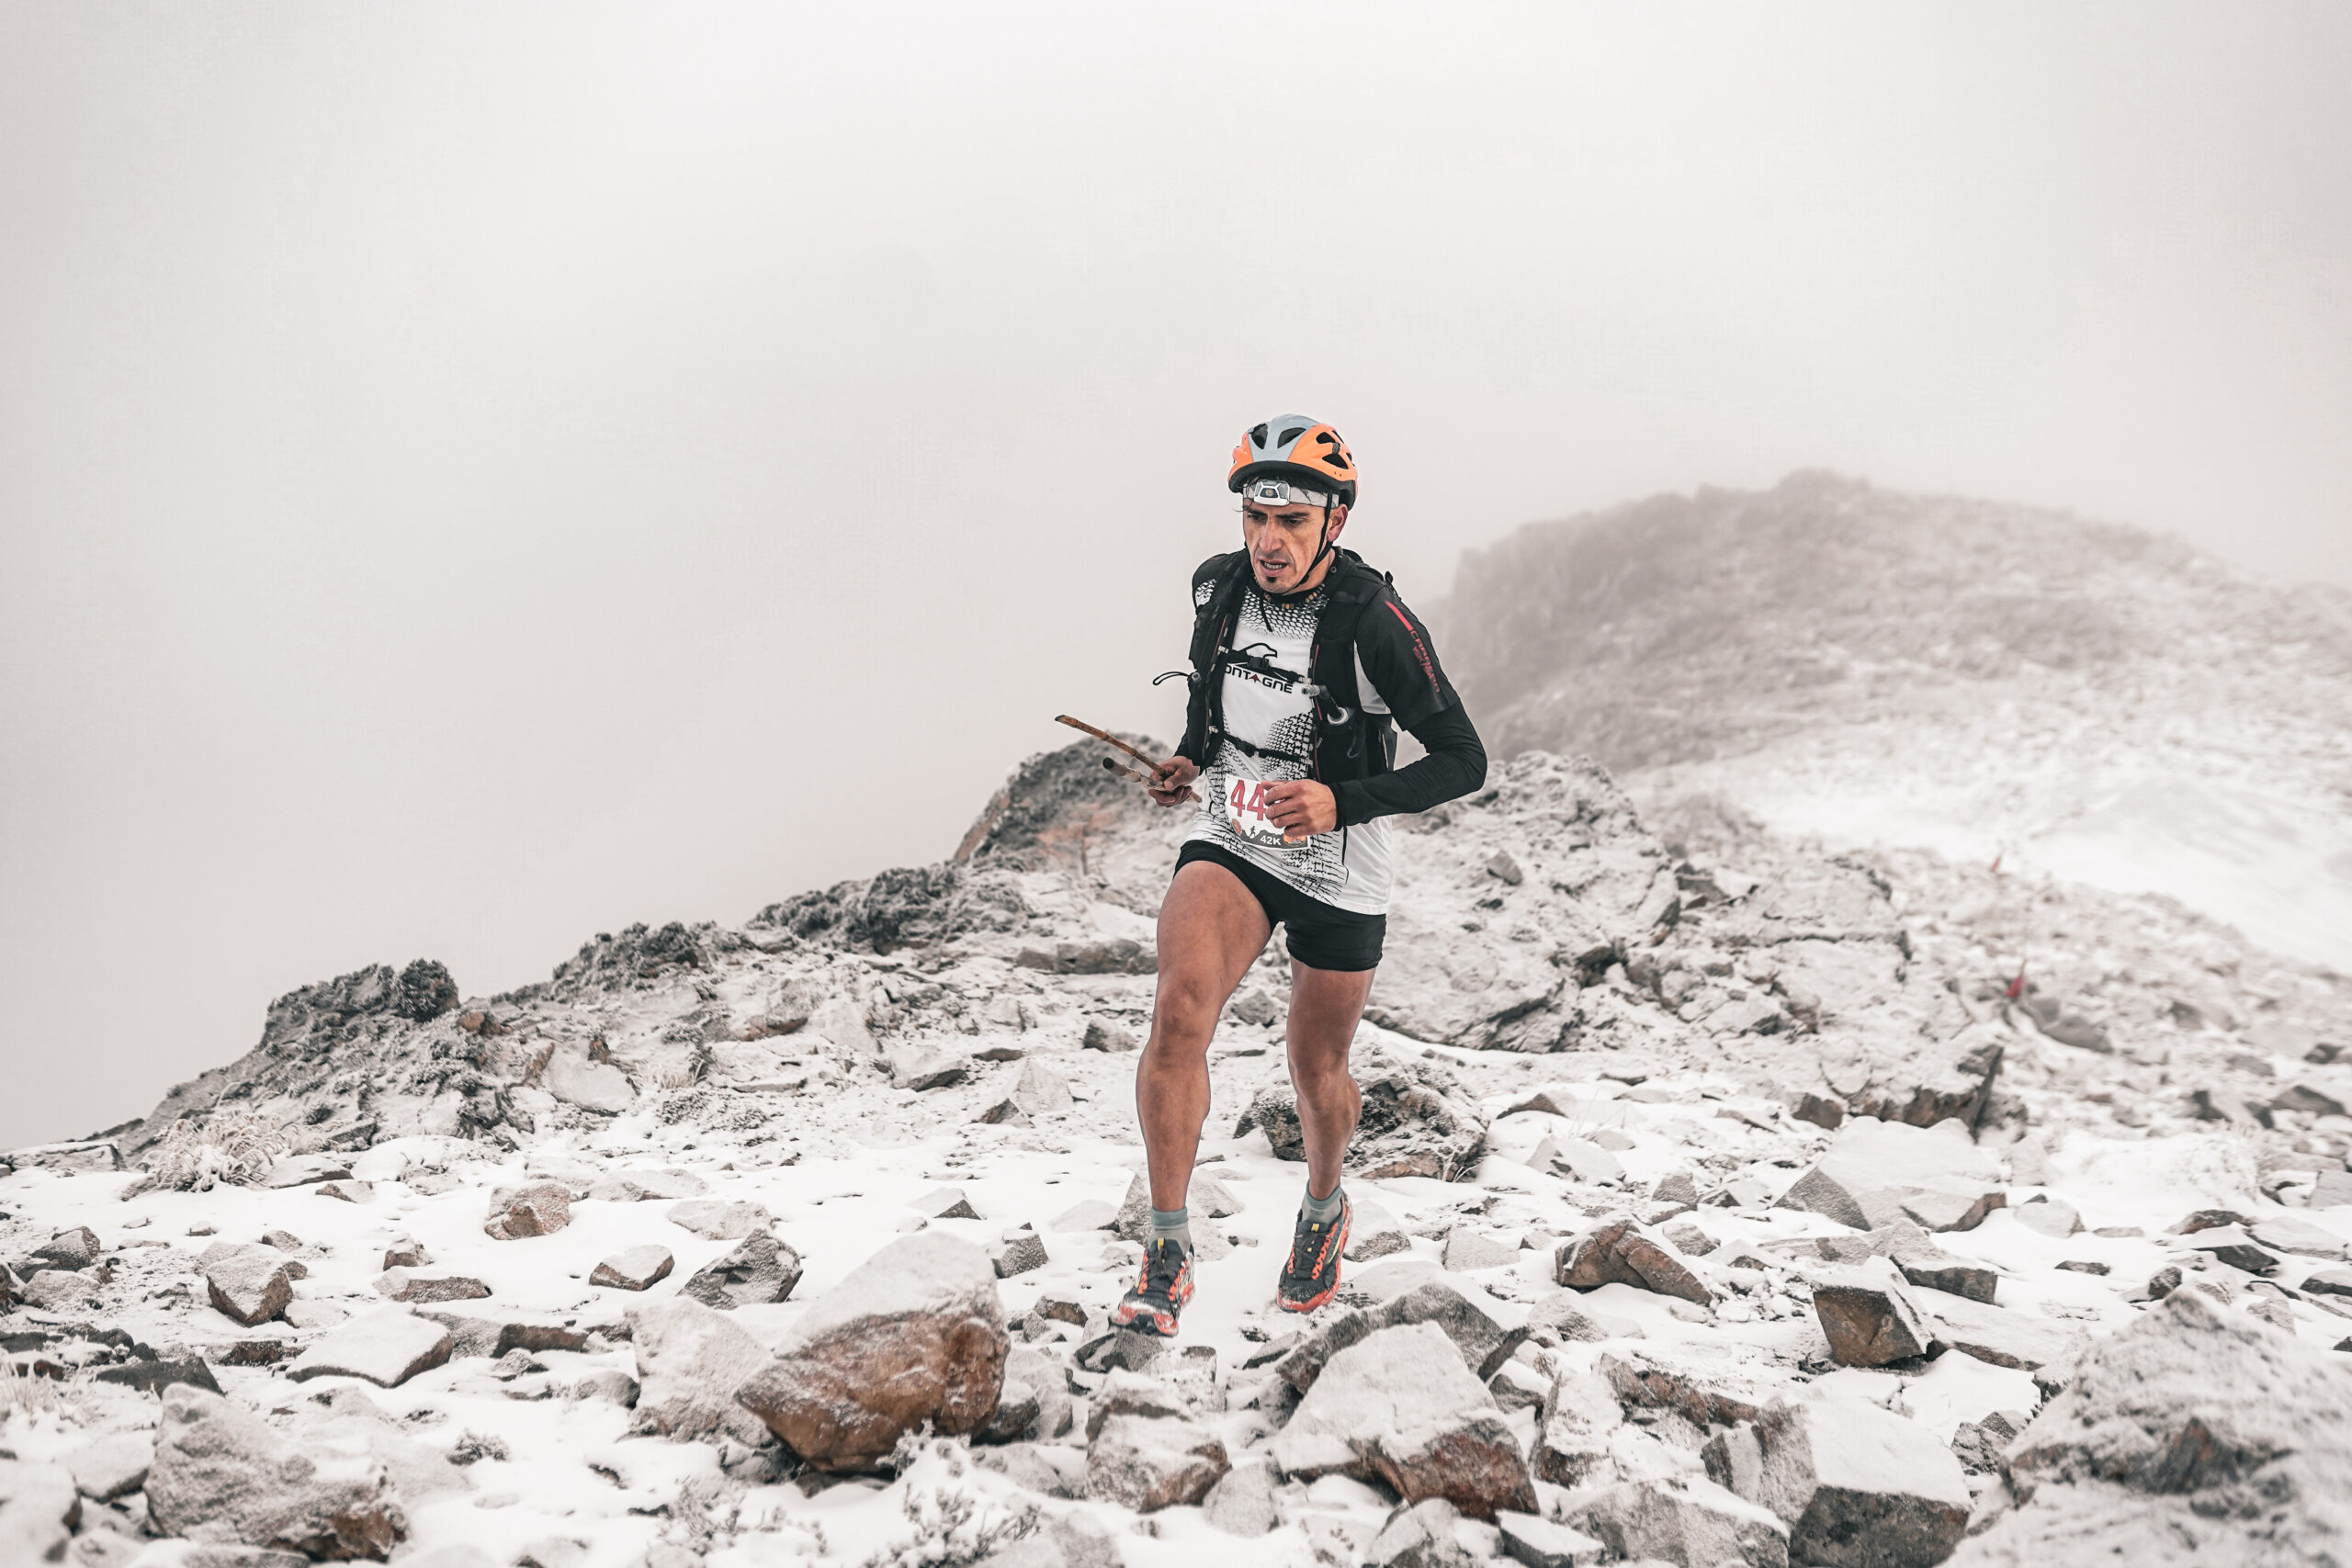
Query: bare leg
<point>1211,930</point>
<point>1325,1005</point>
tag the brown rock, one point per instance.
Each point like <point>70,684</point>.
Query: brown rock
<point>1869,1316</point>
<point>914,1334</point>
<point>1619,1251</point>
<point>1148,1463</point>
<point>541,1208</point>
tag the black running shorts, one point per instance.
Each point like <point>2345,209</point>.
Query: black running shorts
<point>1318,934</point>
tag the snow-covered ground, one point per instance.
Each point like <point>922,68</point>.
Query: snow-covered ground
<point>1605,1021</point>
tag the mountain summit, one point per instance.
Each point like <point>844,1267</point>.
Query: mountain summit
<point>1984,679</point>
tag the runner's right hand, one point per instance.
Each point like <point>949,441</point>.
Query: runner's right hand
<point>1175,786</point>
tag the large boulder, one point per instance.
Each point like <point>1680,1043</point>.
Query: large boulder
<point>245,1283</point>
<point>1147,1463</point>
<point>914,1334</point>
<point>690,1362</point>
<point>1399,1407</point>
<point>2194,1436</point>
<point>1857,1486</point>
<point>1877,1173</point>
<point>1418,1120</point>
<point>1621,1251</point>
<point>221,1475</point>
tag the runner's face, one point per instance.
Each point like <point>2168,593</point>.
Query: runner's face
<point>1282,540</point>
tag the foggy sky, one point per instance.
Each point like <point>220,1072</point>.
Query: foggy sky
<point>472,476</point>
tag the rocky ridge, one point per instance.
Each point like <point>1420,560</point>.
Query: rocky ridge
<point>1737,1200</point>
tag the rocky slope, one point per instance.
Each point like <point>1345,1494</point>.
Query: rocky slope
<point>1718,1199</point>
<point>1981,679</point>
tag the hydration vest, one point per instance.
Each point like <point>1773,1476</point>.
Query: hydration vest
<point>1349,743</point>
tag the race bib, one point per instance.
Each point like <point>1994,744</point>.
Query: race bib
<point>1245,811</point>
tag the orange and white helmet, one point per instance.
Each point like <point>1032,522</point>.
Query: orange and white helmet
<point>1297,448</point>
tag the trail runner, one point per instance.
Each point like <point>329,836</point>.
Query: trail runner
<point>1304,663</point>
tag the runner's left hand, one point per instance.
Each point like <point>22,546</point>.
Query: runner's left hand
<point>1302,809</point>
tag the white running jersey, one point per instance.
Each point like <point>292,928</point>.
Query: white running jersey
<point>1349,868</point>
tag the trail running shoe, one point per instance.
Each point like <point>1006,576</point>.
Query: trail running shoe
<point>1160,1291</point>
<point>1312,1275</point>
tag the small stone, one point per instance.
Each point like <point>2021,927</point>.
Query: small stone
<point>1869,1317</point>
<point>1822,1110</point>
<point>1618,1251</point>
<point>1504,869</point>
<point>2290,1233</point>
<point>2000,1336</point>
<point>1686,1519</point>
<point>1677,1187</point>
<point>2333,1190</point>
<point>1690,1240</point>
<point>76,1249</point>
<point>1101,1036</point>
<point>2323,1282</point>
<point>539,1208</point>
<point>1467,1249</point>
<point>2231,1244</point>
<point>386,1348</point>
<point>634,1268</point>
<point>245,1283</point>
<point>407,1253</point>
<point>759,1270</point>
<point>1147,1464</point>
<point>284,1240</point>
<point>715,1220</point>
<point>153,1377</point>
<point>1419,1536</point>
<point>401,1285</point>
<point>1091,1215</point>
<point>1538,1543</point>
<point>649,1186</point>
<point>112,1467</point>
<point>348,1191</point>
<point>1242,1501</point>
<point>2083,1265</point>
<point>2053,1217</point>
<point>1373,1233</point>
<point>1017,1252</point>
<point>946,1203</point>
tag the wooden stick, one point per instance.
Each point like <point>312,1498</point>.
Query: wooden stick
<point>1151,762</point>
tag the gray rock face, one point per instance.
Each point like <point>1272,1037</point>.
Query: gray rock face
<point>634,1268</point>
<point>1474,1322</point>
<point>760,1270</point>
<point>1870,1317</point>
<point>1689,1521</point>
<point>913,1335</point>
<point>421,1290</point>
<point>112,1467</point>
<point>1875,1173</point>
<point>39,1509</point>
<point>1621,1251</point>
<point>1539,1543</point>
<point>1373,1233</point>
<point>220,1474</point>
<point>539,1208</point>
<point>1242,1502</point>
<point>1420,1536</point>
<point>1400,1407</point>
<point>1017,1252</point>
<point>386,1348</point>
<point>715,1221</point>
<point>75,1249</point>
<point>1148,1463</point>
<point>690,1362</point>
<point>646,1186</point>
<point>1573,1430</point>
<point>2000,1335</point>
<point>247,1283</point>
<point>2195,1435</point>
<point>1859,1487</point>
<point>1418,1120</point>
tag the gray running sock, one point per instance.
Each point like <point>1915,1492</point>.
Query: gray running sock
<point>1321,1210</point>
<point>1174,1224</point>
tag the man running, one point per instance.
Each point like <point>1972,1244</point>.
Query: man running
<point>1303,661</point>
